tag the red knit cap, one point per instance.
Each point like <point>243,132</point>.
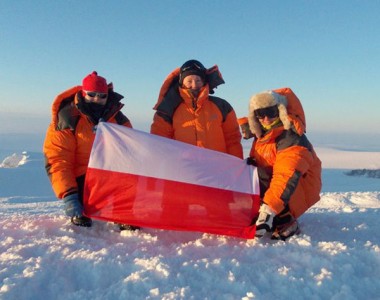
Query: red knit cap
<point>95,83</point>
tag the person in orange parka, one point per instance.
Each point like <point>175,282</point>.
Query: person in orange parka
<point>288,167</point>
<point>69,138</point>
<point>186,112</point>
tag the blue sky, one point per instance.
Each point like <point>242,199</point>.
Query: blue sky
<point>326,51</point>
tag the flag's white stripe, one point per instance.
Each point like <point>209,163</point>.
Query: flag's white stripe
<point>121,149</point>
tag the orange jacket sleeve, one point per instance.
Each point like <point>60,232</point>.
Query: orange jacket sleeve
<point>232,135</point>
<point>59,150</point>
<point>161,127</point>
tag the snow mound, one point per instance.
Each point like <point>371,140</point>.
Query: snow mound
<point>336,256</point>
<point>15,160</point>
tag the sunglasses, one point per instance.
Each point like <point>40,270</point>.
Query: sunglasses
<point>94,94</point>
<point>270,112</point>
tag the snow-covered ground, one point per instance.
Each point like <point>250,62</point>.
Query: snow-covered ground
<point>336,256</point>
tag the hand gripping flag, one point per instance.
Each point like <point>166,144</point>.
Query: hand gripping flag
<point>146,180</point>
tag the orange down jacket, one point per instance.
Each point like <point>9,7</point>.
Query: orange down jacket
<point>289,170</point>
<point>69,140</point>
<point>209,122</point>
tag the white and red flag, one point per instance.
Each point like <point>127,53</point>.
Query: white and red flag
<point>146,180</point>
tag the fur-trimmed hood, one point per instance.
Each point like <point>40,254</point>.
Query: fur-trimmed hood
<point>263,100</point>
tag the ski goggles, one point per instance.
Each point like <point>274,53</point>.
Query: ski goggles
<point>193,65</point>
<point>269,112</point>
<point>94,94</point>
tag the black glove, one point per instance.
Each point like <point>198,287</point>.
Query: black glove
<point>251,161</point>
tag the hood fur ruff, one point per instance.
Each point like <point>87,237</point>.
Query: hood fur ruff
<point>263,100</point>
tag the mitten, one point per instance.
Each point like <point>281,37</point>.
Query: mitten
<point>73,207</point>
<point>265,221</point>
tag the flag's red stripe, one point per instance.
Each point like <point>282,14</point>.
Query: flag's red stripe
<point>158,203</point>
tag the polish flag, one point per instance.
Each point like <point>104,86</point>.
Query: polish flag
<point>142,179</point>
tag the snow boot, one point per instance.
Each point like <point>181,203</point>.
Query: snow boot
<point>284,225</point>
<point>81,221</point>
<point>128,227</point>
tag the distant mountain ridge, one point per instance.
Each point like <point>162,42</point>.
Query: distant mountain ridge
<point>364,172</point>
